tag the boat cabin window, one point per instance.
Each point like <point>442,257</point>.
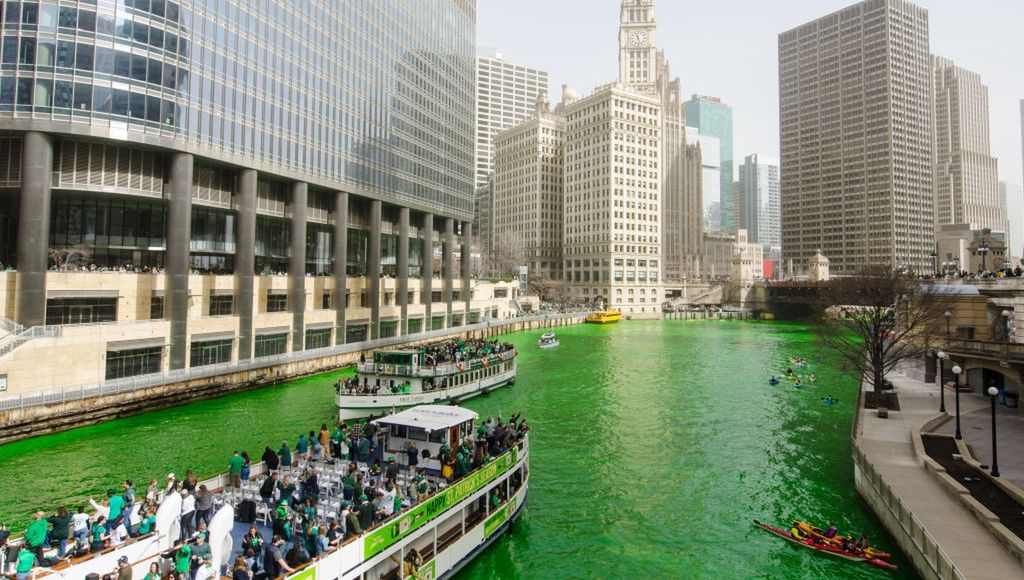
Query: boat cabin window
<point>437,437</point>
<point>417,434</point>
<point>399,431</point>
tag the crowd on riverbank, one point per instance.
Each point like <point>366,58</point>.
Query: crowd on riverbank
<point>308,514</point>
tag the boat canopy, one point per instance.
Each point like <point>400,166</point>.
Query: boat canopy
<point>430,417</point>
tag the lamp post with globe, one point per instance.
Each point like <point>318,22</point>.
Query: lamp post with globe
<point>992,394</point>
<point>956,372</point>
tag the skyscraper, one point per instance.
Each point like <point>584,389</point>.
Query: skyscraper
<point>528,181</point>
<point>855,96</point>
<point>758,203</point>
<point>966,174</point>
<point>505,96</point>
<point>711,174</point>
<point>169,141</point>
<point>713,118</point>
<point>1012,202</point>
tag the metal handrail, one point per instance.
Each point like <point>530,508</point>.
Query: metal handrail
<point>89,390</point>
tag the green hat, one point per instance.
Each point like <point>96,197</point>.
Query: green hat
<point>363,497</point>
<point>345,503</point>
<point>391,457</point>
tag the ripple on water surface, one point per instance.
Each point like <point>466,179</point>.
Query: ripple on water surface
<point>654,445</point>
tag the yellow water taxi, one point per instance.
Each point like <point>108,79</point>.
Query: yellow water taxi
<point>605,317</point>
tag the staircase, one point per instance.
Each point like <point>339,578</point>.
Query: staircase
<point>16,335</point>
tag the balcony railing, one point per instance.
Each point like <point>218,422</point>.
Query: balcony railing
<point>1004,351</point>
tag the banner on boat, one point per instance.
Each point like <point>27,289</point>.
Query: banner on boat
<point>499,517</point>
<point>381,539</point>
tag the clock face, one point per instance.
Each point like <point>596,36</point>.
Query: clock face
<point>638,38</point>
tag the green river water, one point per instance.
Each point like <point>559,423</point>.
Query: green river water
<point>653,446</point>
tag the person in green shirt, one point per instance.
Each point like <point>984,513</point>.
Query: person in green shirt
<point>302,445</point>
<point>285,454</point>
<point>98,531</point>
<point>116,503</point>
<point>235,469</point>
<point>147,523</point>
<point>35,535</point>
<point>154,572</point>
<point>26,560</point>
<point>183,560</point>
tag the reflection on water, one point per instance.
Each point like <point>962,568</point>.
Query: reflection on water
<point>654,446</point>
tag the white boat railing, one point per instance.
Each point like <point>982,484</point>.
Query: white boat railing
<point>427,371</point>
<point>127,384</point>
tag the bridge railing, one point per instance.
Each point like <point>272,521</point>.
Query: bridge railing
<point>986,349</point>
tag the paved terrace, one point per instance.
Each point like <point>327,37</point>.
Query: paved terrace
<point>976,428</point>
<point>886,443</point>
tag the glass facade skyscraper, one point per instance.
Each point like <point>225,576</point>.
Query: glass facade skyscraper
<point>711,117</point>
<point>244,138</point>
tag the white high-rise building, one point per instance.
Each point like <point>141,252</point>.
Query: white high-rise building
<point>966,174</point>
<point>758,202</point>
<point>505,96</point>
<point>528,181</point>
<point>855,102</point>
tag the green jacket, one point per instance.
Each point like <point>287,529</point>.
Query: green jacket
<point>26,559</point>
<point>35,535</point>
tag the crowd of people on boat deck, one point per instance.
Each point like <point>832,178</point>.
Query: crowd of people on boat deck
<point>462,349</point>
<point>352,386</point>
<point>373,489</point>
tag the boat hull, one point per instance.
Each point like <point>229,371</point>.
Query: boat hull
<point>825,548</point>
<point>549,344</point>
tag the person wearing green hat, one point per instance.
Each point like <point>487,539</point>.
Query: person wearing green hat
<point>365,512</point>
<point>352,527</point>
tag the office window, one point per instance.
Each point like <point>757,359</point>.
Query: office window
<point>414,326</point>
<point>318,338</point>
<point>356,333</point>
<point>222,305</point>
<point>80,310</point>
<point>271,344</point>
<point>132,363</point>
<point>156,308</point>
<point>277,302</point>
<point>210,352</point>
<point>326,299</point>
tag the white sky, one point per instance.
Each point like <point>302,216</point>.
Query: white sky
<point>729,48</point>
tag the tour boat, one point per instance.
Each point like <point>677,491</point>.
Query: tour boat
<point>447,529</point>
<point>548,340</point>
<point>604,317</point>
<point>834,550</point>
<point>400,379</point>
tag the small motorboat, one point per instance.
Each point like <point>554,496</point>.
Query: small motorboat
<point>817,544</point>
<point>548,340</point>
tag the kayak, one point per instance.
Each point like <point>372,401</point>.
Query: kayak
<point>837,540</point>
<point>814,544</point>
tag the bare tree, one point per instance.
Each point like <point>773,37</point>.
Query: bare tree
<point>549,289</point>
<point>880,318</point>
<point>68,258</point>
<point>507,254</point>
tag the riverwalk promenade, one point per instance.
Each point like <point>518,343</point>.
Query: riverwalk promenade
<point>976,428</point>
<point>937,532</point>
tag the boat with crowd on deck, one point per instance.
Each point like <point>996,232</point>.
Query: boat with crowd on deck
<point>433,537</point>
<point>439,373</point>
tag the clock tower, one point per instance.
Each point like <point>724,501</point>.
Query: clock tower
<point>638,53</point>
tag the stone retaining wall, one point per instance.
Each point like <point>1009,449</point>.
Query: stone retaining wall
<point>45,419</point>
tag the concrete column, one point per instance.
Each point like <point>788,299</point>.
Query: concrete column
<point>373,269</point>
<point>245,260</point>
<point>427,270</point>
<point>179,237</point>
<point>340,264</point>
<point>467,251</point>
<point>402,289</point>
<point>297,264</point>
<point>448,267</point>
<point>34,229</point>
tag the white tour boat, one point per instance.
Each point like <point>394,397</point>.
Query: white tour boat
<point>548,340</point>
<point>400,379</point>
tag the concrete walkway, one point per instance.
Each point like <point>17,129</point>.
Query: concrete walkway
<point>886,443</point>
<point>976,428</point>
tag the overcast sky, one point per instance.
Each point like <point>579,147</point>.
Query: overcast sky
<point>729,48</point>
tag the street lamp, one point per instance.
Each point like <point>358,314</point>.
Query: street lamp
<point>935,262</point>
<point>942,381</point>
<point>956,372</point>
<point>983,250</point>
<point>992,393</point>
<point>948,315</point>
<point>1006,325</point>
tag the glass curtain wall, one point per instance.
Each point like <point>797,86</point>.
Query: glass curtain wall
<point>319,245</point>
<point>357,250</point>
<point>272,239</point>
<point>105,232</point>
<point>213,240</point>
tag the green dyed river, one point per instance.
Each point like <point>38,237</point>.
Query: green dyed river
<point>654,446</point>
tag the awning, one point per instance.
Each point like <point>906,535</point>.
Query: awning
<point>357,322</point>
<point>320,326</point>
<point>273,330</point>
<point>123,345</point>
<point>219,292</point>
<point>81,294</point>
<point>208,336</point>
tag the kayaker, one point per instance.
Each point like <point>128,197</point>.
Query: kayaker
<point>862,543</point>
<point>831,532</point>
<point>773,380</point>
<point>796,532</point>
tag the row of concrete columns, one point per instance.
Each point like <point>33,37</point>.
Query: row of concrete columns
<point>33,249</point>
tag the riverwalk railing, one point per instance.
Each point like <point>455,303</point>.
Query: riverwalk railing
<point>937,558</point>
<point>1004,351</point>
<point>128,384</point>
